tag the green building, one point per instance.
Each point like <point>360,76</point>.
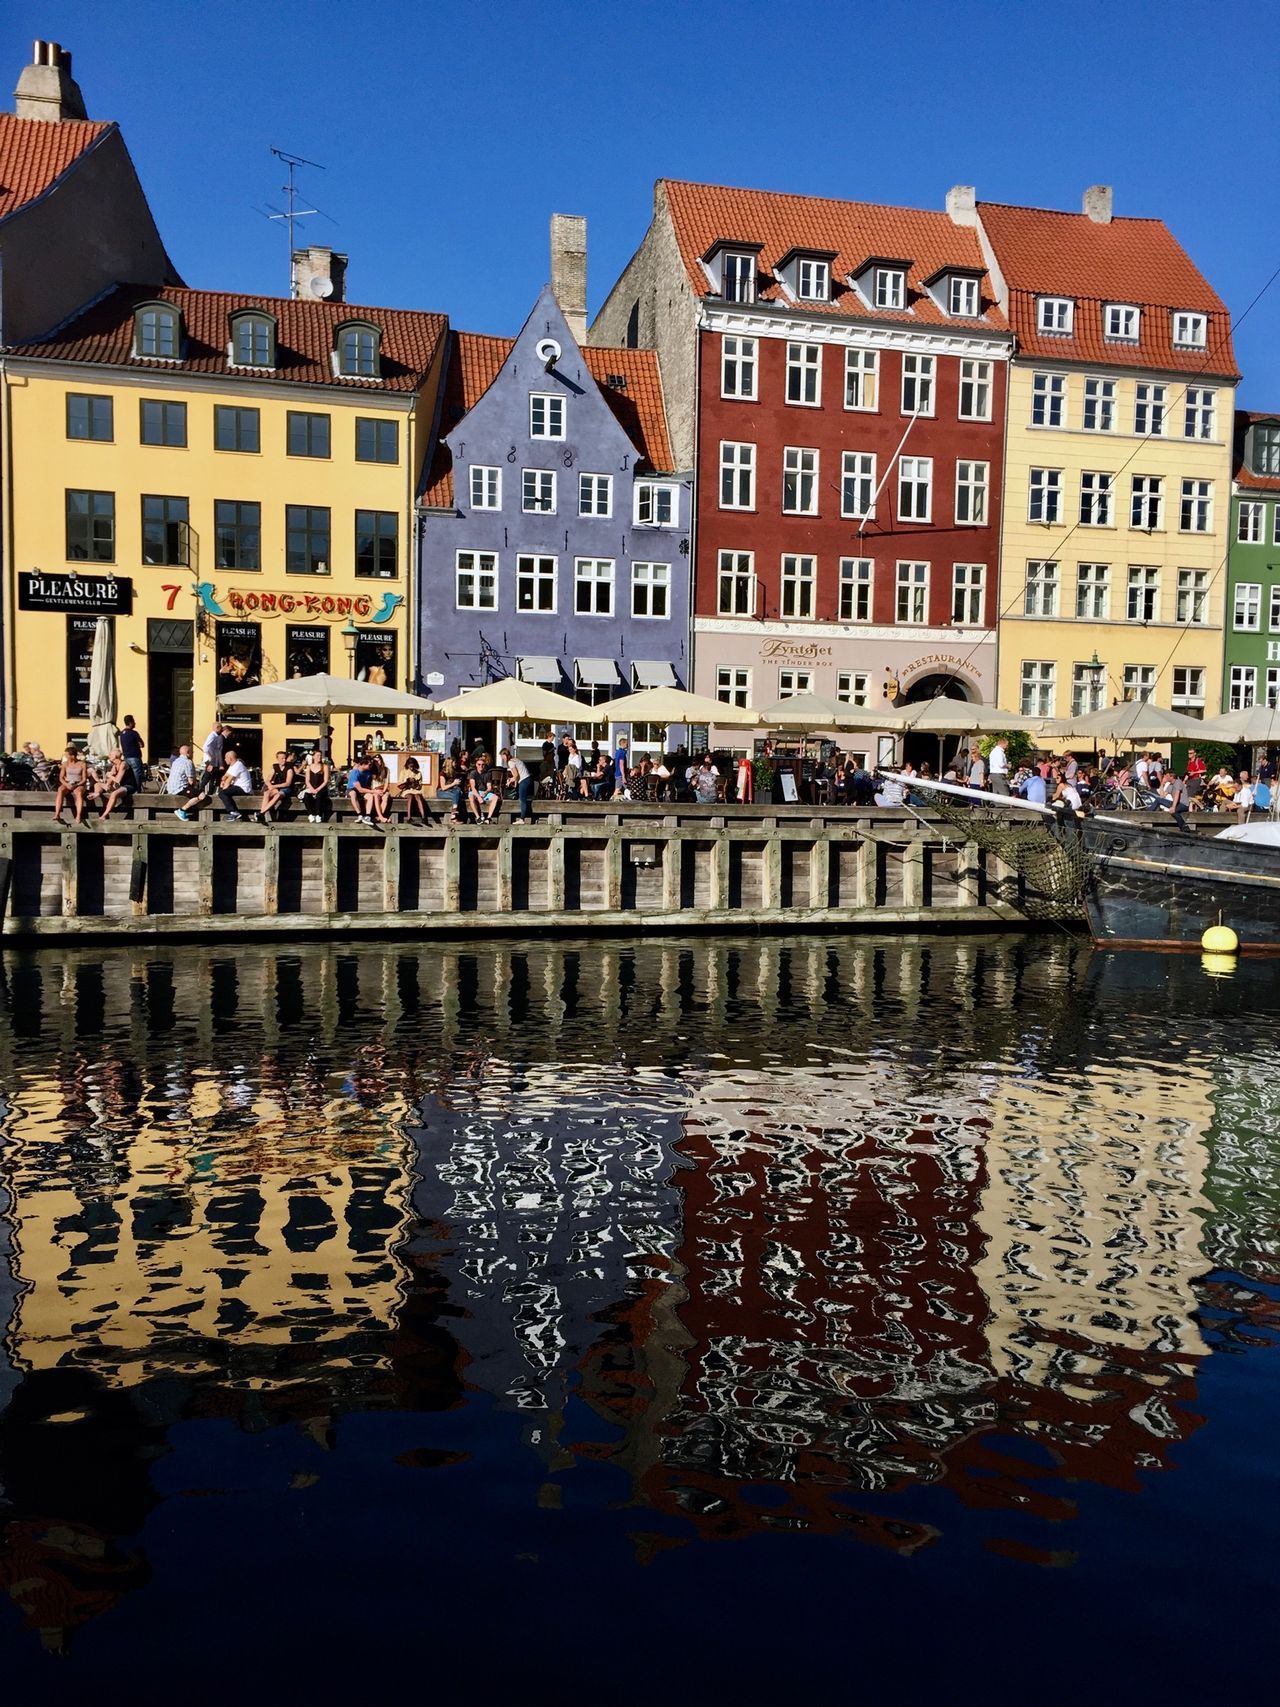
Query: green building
<point>1252,672</point>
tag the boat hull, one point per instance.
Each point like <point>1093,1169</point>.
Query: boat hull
<point>1161,888</point>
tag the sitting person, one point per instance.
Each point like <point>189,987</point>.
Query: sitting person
<point>601,784</point>
<point>236,782</point>
<point>73,784</point>
<point>119,784</point>
<point>359,779</point>
<point>279,787</point>
<point>316,774</point>
<point>41,768</point>
<point>411,791</point>
<point>482,793</point>
<point>450,788</point>
<point>379,790</point>
<point>182,774</point>
<point>705,782</point>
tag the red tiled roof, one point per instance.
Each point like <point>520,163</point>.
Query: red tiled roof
<point>304,337</point>
<point>1137,261</point>
<point>852,231</point>
<point>1244,477</point>
<point>474,363</point>
<point>34,153</point>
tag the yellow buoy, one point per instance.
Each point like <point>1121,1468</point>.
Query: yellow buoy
<point>1220,939</point>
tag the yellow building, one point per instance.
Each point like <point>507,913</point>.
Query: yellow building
<point>1117,491</point>
<point>229,480</point>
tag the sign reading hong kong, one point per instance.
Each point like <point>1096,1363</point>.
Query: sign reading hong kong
<point>237,601</point>
<point>86,595</point>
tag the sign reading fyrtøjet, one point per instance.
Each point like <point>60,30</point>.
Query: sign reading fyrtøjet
<point>96,595</point>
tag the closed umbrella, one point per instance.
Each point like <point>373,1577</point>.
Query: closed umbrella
<point>103,734</point>
<point>512,701</point>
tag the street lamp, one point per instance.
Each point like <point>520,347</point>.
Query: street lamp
<point>350,634</point>
<point>1095,670</point>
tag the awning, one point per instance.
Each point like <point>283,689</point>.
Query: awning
<point>544,672</point>
<point>651,674</point>
<point>596,672</point>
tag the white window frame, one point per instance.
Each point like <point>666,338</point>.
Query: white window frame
<point>600,484</point>
<point>1188,687</point>
<point>853,687</point>
<point>1142,593</point>
<point>653,498</point>
<point>1049,396</point>
<point>546,415</point>
<point>813,280</point>
<point>1041,587</point>
<point>1191,607</point>
<point>911,592</point>
<point>1055,316</point>
<point>1272,687</point>
<point>1273,613</point>
<point>733,685</point>
<point>1146,503</point>
<point>597,573</point>
<point>857,589</point>
<point>739,368</point>
<point>483,566</point>
<point>889,289</point>
<point>1085,697</point>
<point>1044,493</point>
<point>1039,687</point>
<point>977,386</point>
<point>1246,607</point>
<point>738,276</point>
<point>735,570</point>
<point>538,491</point>
<point>537,571</point>
<point>1121,323</point>
<point>800,473</point>
<point>792,681</point>
<point>1265,434</point>
<point>862,380</point>
<point>1200,413</point>
<point>968,594</point>
<point>962,297</point>
<point>857,484</point>
<point>486,491</point>
<point>1150,409</point>
<point>798,587</point>
<point>1190,329</point>
<point>1097,499</point>
<point>973,486</point>
<point>1100,403</point>
<point>1138,682</point>
<point>915,489</point>
<point>1251,522</point>
<point>738,466</point>
<point>1093,592</point>
<point>919,374</point>
<point>1195,508</point>
<point>1242,687</point>
<point>804,375</point>
<point>648,580</point>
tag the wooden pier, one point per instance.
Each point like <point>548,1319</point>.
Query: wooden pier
<point>623,868</point>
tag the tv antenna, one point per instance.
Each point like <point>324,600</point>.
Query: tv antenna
<point>291,213</point>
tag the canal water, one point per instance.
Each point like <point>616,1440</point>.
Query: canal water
<point>658,1323</point>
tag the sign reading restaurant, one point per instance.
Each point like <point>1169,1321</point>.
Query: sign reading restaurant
<point>92,595</point>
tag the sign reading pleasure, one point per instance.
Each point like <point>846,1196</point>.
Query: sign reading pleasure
<point>96,595</point>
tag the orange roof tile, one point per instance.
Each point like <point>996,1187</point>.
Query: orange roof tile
<point>1244,476</point>
<point>1137,261</point>
<point>852,231</point>
<point>474,362</point>
<point>34,153</point>
<point>103,333</point>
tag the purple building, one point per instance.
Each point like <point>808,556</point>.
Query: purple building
<point>554,537</point>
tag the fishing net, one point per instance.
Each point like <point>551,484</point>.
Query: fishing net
<point>1051,866</point>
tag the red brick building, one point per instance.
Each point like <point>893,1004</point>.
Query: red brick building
<point>837,373</point>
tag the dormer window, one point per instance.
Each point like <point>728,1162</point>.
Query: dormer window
<point>1055,315</point>
<point>1189,330</point>
<point>359,352</point>
<point>1120,322</point>
<point>813,281</point>
<point>962,297</point>
<point>738,276</point>
<point>889,287</point>
<point>1265,452</point>
<point>253,340</point>
<point>157,331</point>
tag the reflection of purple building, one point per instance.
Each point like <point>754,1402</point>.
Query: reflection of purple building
<point>555,533</point>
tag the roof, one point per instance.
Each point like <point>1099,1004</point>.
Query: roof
<point>103,333</point>
<point>475,360</point>
<point>1136,261</point>
<point>34,153</point>
<point>854,232</point>
<point>1244,477</point>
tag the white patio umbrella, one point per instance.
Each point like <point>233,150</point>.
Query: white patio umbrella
<point>678,705</point>
<point>323,695</point>
<point>511,701</point>
<point>1133,720</point>
<point>808,712</point>
<point>1255,726</point>
<point>103,734</point>
<point>944,716</point>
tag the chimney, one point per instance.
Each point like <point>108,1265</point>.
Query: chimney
<point>46,89</point>
<point>319,275</point>
<point>962,204</point>
<point>569,270</point>
<point>1097,204</point>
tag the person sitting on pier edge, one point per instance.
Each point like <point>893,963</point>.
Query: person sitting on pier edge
<point>1244,801</point>
<point>379,790</point>
<point>73,784</point>
<point>119,785</point>
<point>411,791</point>
<point>316,774</point>
<point>482,796</point>
<point>279,787</point>
<point>215,753</point>
<point>182,774</point>
<point>1177,796</point>
<point>236,783</point>
<point>359,778</point>
<point>131,745</point>
<point>449,788</point>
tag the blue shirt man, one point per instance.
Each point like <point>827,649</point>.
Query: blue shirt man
<point>1033,789</point>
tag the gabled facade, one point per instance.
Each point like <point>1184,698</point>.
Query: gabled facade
<point>230,479</point>
<point>841,370</point>
<point>1252,665</point>
<point>555,527</point>
<point>1117,473</point>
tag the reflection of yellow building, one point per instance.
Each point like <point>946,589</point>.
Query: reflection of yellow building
<point>230,480</point>
<point>1117,488</point>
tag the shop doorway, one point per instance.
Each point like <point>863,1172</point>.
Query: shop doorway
<point>170,686</point>
<point>480,735</point>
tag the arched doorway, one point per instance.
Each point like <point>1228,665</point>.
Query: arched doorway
<point>930,749</point>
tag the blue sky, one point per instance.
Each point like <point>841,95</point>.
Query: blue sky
<point>450,133</point>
